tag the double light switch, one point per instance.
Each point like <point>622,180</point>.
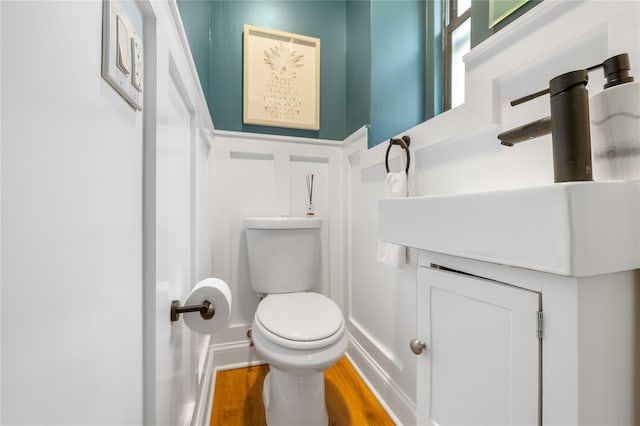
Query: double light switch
<point>122,53</point>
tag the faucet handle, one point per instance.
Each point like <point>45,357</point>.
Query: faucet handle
<point>529,97</point>
<point>616,71</point>
<point>557,85</point>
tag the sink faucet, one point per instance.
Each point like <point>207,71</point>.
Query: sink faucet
<point>569,120</point>
<point>568,125</point>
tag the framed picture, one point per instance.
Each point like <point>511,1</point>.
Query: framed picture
<point>500,9</point>
<point>281,79</point>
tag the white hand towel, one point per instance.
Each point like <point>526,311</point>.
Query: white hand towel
<point>394,255</point>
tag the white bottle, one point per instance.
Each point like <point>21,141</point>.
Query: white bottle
<point>615,132</point>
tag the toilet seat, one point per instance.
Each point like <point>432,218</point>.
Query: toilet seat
<point>300,320</point>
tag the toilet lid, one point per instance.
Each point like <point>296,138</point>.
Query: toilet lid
<point>302,317</point>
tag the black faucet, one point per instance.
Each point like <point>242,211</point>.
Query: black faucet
<point>568,124</point>
<point>569,120</point>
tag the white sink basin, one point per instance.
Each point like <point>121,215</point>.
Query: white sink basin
<point>574,229</point>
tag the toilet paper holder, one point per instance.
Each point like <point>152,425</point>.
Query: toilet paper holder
<point>205,308</point>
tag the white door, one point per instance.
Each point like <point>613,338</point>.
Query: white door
<point>170,348</point>
<point>481,363</point>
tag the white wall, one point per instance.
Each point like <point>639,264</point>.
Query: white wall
<point>71,224</point>
<point>458,152</point>
<point>76,172</point>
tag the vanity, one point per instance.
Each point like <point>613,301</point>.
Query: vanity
<point>528,303</point>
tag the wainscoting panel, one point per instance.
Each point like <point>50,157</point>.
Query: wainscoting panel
<point>256,175</point>
<point>380,299</point>
<point>250,185</point>
<point>299,168</point>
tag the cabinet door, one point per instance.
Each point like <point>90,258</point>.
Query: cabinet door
<point>481,365</point>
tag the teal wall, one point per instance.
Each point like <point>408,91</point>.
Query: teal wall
<point>398,41</point>
<point>325,20</point>
<point>196,16</point>
<point>358,96</point>
<point>379,58</point>
<point>372,60</point>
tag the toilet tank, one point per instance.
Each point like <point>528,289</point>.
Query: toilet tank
<point>283,252</point>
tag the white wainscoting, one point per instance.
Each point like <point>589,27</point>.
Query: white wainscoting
<point>380,307</point>
<point>177,135</point>
<point>263,175</point>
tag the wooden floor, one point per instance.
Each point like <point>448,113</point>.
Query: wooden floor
<point>238,398</point>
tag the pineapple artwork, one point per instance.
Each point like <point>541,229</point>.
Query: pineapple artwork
<point>281,79</point>
<point>281,97</point>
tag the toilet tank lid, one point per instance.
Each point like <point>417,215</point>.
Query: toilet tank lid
<point>282,222</point>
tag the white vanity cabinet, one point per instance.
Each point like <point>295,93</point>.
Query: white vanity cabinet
<point>497,269</point>
<point>481,365</point>
<point>510,346</point>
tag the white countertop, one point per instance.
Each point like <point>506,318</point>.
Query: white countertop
<point>573,229</point>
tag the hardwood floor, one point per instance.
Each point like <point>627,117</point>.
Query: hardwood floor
<point>238,398</point>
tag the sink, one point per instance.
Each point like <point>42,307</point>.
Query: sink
<point>574,229</point>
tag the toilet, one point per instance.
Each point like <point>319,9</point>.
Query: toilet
<point>299,333</point>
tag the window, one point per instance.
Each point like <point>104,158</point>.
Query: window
<point>456,42</point>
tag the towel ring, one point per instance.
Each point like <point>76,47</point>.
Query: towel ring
<point>404,143</point>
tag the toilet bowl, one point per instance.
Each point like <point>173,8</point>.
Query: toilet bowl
<point>299,333</point>
<point>297,351</point>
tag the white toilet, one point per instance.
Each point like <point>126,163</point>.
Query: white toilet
<point>299,333</point>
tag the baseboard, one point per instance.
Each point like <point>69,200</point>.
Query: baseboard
<point>220,357</point>
<point>204,396</point>
<point>400,408</point>
<point>235,355</point>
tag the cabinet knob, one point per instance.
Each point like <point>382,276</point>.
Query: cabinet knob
<point>417,346</point>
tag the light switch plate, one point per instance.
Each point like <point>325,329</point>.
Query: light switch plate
<point>136,72</point>
<point>122,52</point>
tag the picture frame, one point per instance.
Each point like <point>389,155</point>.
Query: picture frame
<point>500,9</point>
<point>281,79</point>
